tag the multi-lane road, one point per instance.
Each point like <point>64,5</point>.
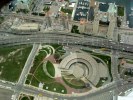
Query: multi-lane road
<point>100,91</point>
<point>66,39</point>
<point>23,16</point>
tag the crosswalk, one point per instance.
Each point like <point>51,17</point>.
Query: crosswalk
<point>42,98</point>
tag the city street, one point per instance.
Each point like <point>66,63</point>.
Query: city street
<point>63,39</point>
<point>26,70</point>
<point>52,25</point>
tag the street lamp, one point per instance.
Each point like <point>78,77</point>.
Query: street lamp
<point>87,16</point>
<point>67,21</point>
<point>127,49</point>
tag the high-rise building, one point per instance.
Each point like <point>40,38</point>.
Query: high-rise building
<point>112,11</point>
<point>107,14</point>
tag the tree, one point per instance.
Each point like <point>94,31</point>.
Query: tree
<point>23,11</point>
<point>46,8</point>
<point>69,11</point>
<point>1,19</point>
<point>75,29</point>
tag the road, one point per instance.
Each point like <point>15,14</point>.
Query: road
<point>5,94</point>
<point>103,90</point>
<point>28,64</point>
<point>26,70</point>
<point>63,39</point>
<point>100,91</point>
<point>108,52</point>
<point>68,39</point>
<point>35,91</point>
<point>114,66</point>
<point>23,16</point>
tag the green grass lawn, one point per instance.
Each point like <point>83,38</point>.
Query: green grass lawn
<point>38,59</point>
<point>55,46</point>
<point>69,11</point>
<point>46,8</point>
<point>37,70</point>
<point>74,84</point>
<point>59,87</point>
<point>105,58</point>
<point>46,49</point>
<point>35,82</point>
<point>49,82</point>
<point>13,64</point>
<point>39,74</point>
<point>28,80</point>
<point>50,68</point>
<point>32,81</point>
<point>129,61</point>
<point>120,11</point>
<point>42,54</point>
<point>59,51</point>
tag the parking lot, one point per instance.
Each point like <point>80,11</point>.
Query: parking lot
<point>82,9</point>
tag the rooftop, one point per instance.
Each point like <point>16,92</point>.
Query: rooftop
<point>72,1</point>
<point>24,1</point>
<point>103,7</point>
